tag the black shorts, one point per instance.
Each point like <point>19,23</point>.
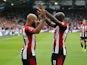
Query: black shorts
<point>57,59</point>
<point>83,38</point>
<point>30,61</point>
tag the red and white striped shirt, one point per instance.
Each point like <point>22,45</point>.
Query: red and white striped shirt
<point>59,38</point>
<point>83,30</point>
<point>29,41</point>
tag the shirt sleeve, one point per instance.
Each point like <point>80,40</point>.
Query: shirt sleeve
<point>63,26</point>
<point>30,30</point>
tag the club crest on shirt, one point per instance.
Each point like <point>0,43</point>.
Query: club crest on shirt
<point>30,28</point>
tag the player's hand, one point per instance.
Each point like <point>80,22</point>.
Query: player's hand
<point>44,14</point>
<point>39,14</point>
<point>40,6</point>
<point>42,11</point>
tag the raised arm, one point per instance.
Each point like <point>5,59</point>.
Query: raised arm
<point>32,18</point>
<point>52,18</point>
<point>50,23</point>
<point>40,26</point>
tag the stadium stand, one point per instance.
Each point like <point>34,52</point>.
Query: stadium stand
<point>13,13</point>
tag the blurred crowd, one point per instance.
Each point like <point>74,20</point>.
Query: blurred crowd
<point>12,25</point>
<point>9,26</point>
<point>76,20</point>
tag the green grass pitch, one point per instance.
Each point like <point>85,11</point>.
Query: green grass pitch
<point>10,48</point>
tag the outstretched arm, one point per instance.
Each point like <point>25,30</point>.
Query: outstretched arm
<point>50,23</point>
<point>52,18</point>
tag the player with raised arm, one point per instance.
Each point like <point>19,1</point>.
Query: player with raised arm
<point>61,29</point>
<point>60,34</point>
<point>28,31</point>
